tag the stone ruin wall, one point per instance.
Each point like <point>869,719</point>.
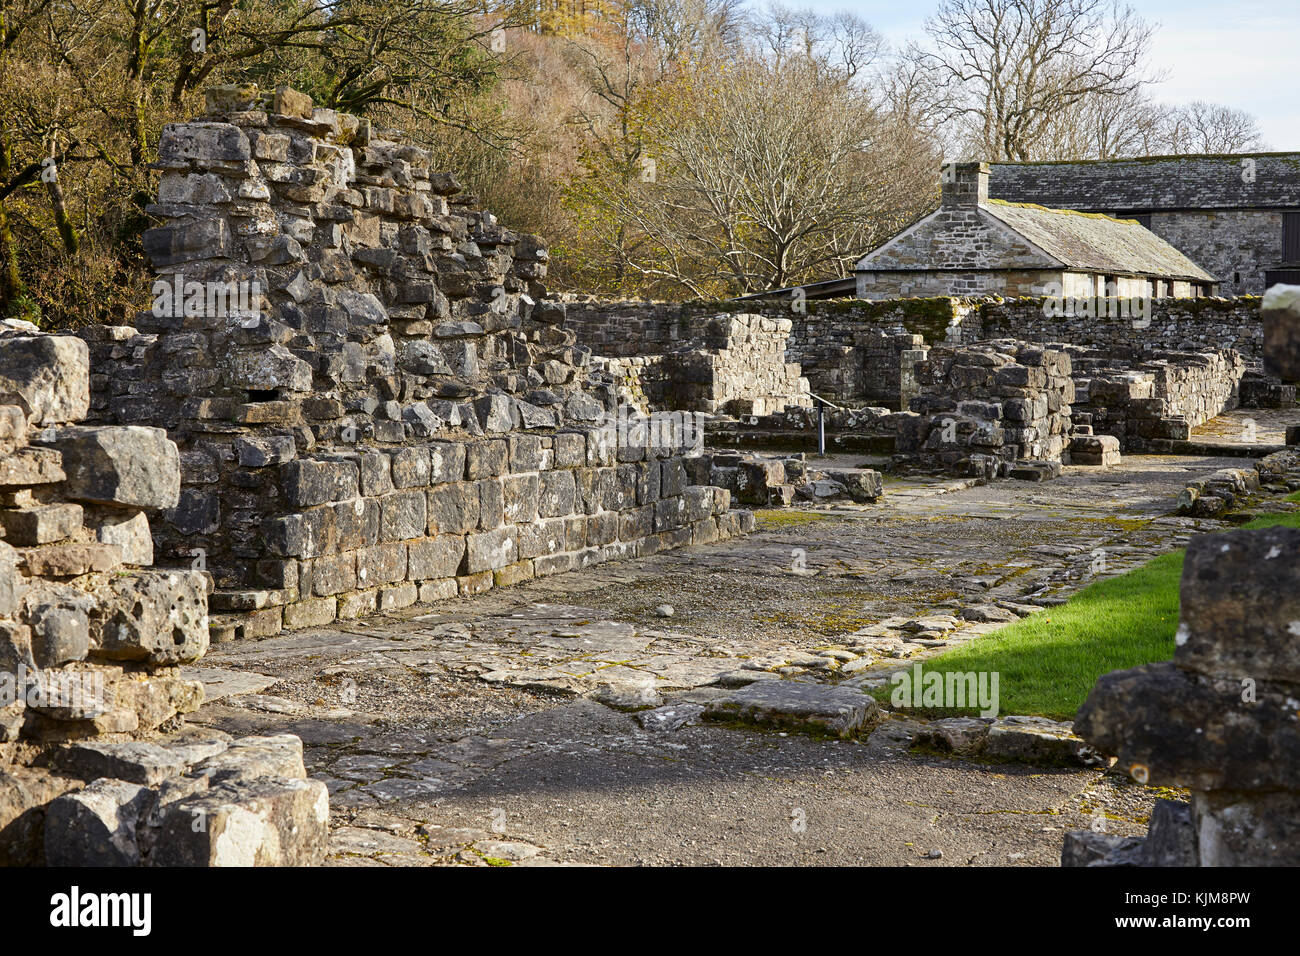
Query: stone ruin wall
<point>1154,395</point>
<point>721,363</point>
<point>989,410</point>
<point>856,352</point>
<point>1179,325</point>
<point>395,412</point>
<point>96,767</point>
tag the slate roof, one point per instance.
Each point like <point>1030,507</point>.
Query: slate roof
<point>1092,242</point>
<point>1145,183</point>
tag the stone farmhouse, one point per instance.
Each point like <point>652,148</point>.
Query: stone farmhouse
<point>1238,216</point>
<point>973,245</point>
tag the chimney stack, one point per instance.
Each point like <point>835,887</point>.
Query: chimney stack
<point>965,185</point>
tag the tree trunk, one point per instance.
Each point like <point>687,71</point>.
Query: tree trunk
<point>11,282</point>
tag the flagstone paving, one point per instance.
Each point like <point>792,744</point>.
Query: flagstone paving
<point>504,729</point>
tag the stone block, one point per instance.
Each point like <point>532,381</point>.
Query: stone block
<point>272,821</point>
<point>262,452</point>
<point>97,826</point>
<point>355,525</point>
<point>404,514</point>
<point>130,535</point>
<point>435,557</point>
<point>1240,598</point>
<point>410,468</point>
<point>47,376</point>
<point>308,482</point>
<point>127,465</point>
<point>158,617</point>
<point>41,524</point>
<point>453,508</point>
<point>382,564</point>
<point>30,466</point>
<point>489,550</point>
<point>486,459</point>
<point>448,461</point>
<point>809,708</point>
<point>520,494</point>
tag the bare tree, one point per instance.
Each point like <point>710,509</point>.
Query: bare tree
<point>765,175</point>
<point>1201,127</point>
<point>843,41</point>
<point>1011,66</point>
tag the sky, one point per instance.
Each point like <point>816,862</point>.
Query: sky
<point>1244,54</point>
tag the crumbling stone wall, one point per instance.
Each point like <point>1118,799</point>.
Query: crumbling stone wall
<point>79,602</point>
<point>996,408</point>
<point>385,406</point>
<point>95,769</point>
<point>853,351</point>
<point>736,364</point>
<point>1153,395</point>
<point>723,363</point>
<point>1181,325</point>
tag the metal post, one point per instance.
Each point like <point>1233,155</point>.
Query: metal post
<point>821,430</point>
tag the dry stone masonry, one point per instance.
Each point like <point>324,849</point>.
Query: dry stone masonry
<point>1156,395</point>
<point>95,767</point>
<point>374,398</point>
<point>728,364</point>
<point>994,409</point>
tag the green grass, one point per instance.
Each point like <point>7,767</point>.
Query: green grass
<point>1049,661</point>
<point>1294,496</point>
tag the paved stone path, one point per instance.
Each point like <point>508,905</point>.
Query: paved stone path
<point>497,729</point>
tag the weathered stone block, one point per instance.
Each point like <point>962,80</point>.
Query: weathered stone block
<point>520,494</point>
<point>448,461</point>
<point>410,468</point>
<point>486,459</point>
<point>453,508</point>
<point>47,376</point>
<point>382,564</point>
<point>557,493</point>
<point>130,536</point>
<point>356,524</point>
<point>97,826</point>
<point>127,465</point>
<point>41,524</point>
<point>491,504</point>
<point>268,822</point>
<point>307,482</point>
<point>160,617</point>
<point>1240,598</point>
<point>403,515</point>
<point>435,557</point>
<point>261,452</point>
<point>489,550</point>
